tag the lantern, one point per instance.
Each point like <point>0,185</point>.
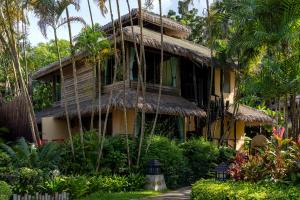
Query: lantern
<point>154,167</point>
<point>221,171</point>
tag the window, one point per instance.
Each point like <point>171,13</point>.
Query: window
<point>153,68</point>
<point>226,88</point>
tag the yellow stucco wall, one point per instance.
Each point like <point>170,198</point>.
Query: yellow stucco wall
<point>240,132</point>
<point>118,121</point>
<point>54,129</point>
<point>227,96</point>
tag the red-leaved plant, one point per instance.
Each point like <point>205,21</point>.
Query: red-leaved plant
<point>235,169</point>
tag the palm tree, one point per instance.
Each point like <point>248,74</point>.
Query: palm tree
<point>49,14</point>
<point>8,39</point>
<point>142,61</point>
<point>161,74</point>
<point>124,81</point>
<point>97,48</point>
<point>103,8</point>
<point>74,69</point>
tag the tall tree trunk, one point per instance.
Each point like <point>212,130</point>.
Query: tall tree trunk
<point>222,103</point>
<point>160,75</point>
<point>208,120</point>
<point>99,101</point>
<point>124,82</point>
<point>15,57</point>
<point>91,14</point>
<point>94,82</point>
<point>142,60</point>
<point>63,89</point>
<point>111,92</point>
<point>75,82</point>
<point>140,77</point>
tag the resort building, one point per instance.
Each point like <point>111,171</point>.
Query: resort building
<point>185,90</point>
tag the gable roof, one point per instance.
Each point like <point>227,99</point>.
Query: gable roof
<point>172,27</point>
<point>172,45</point>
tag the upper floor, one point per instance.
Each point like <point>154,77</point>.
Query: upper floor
<point>186,66</point>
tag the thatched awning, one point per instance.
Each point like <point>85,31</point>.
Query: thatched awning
<point>172,45</point>
<point>250,115</point>
<point>170,105</point>
<point>171,27</point>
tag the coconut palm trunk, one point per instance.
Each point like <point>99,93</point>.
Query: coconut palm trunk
<point>12,46</point>
<point>63,90</point>
<point>142,60</point>
<point>208,120</point>
<point>91,14</point>
<point>75,82</point>
<point>160,75</point>
<point>140,83</point>
<point>100,152</point>
<point>124,82</point>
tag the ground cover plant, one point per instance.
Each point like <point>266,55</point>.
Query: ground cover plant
<point>121,195</point>
<point>229,190</point>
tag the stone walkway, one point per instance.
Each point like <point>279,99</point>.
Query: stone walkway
<point>180,194</point>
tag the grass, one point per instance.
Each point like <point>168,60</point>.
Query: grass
<point>121,195</point>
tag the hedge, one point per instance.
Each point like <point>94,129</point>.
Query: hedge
<point>211,189</point>
<point>5,191</point>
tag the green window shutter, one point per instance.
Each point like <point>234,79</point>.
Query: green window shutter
<point>181,128</point>
<point>131,62</point>
<point>174,63</point>
<point>169,72</point>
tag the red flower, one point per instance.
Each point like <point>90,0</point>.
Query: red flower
<point>278,134</point>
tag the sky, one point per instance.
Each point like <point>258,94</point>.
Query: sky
<point>36,37</point>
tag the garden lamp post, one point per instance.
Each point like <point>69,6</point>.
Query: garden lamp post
<point>221,172</point>
<point>155,179</point>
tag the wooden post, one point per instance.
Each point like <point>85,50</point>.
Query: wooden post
<point>234,134</point>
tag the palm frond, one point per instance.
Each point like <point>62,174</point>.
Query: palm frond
<point>71,19</point>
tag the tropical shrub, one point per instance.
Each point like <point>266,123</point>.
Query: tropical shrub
<point>235,169</point>
<point>211,190</point>
<point>27,180</point>
<point>24,154</point>
<point>170,155</point>
<point>277,161</point>
<point>113,161</point>
<point>202,157</point>
<point>5,191</point>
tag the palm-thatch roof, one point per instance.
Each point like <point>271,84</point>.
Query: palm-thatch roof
<point>172,45</point>
<point>55,65</point>
<point>171,27</point>
<point>250,115</point>
<point>170,105</point>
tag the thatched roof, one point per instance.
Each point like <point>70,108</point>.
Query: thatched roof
<point>171,27</point>
<point>172,45</point>
<point>55,65</point>
<point>170,105</point>
<point>250,115</point>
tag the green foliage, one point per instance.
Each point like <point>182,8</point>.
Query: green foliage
<point>93,42</point>
<point>170,155</point>
<point>45,53</point>
<point>78,186</point>
<point>210,190</point>
<point>42,95</point>
<point>278,161</point>
<point>121,195</point>
<point>5,191</point>
<point>23,154</point>
<point>202,157</point>
<point>27,180</point>
<point>114,158</point>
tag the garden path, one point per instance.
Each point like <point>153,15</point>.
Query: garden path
<point>180,194</point>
